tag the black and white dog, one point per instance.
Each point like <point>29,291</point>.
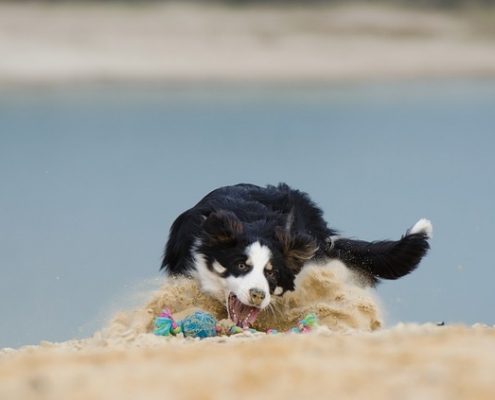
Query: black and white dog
<point>245,244</point>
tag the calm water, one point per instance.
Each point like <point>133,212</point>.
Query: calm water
<point>92,178</point>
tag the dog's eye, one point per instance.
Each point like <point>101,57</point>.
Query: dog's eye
<point>270,273</point>
<point>242,267</point>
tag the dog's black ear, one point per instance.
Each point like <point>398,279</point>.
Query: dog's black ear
<point>297,248</point>
<point>222,227</point>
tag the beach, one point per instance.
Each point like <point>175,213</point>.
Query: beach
<point>353,352</point>
<point>349,355</point>
<point>406,361</point>
<point>187,43</point>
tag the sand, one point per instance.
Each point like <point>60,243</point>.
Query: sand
<point>348,356</point>
<point>406,362</point>
<point>189,43</point>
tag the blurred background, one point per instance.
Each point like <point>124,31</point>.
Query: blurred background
<point>117,116</point>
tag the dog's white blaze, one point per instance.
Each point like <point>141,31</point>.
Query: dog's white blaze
<point>278,291</point>
<point>258,257</point>
<point>422,226</point>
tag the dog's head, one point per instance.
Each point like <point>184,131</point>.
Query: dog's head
<point>248,263</point>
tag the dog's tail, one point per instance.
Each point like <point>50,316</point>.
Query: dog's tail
<point>383,259</point>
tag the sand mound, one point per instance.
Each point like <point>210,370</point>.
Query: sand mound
<point>330,291</point>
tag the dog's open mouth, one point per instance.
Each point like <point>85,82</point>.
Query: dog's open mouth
<point>241,314</point>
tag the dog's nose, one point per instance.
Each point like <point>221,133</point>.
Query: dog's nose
<point>257,296</point>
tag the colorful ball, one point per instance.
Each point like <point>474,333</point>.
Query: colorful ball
<point>199,324</point>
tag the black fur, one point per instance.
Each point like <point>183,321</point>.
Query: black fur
<point>382,259</point>
<point>291,225</point>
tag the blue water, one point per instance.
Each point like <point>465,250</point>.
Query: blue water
<point>91,179</point>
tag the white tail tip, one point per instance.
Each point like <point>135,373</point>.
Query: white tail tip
<point>422,226</point>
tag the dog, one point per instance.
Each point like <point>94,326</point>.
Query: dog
<point>246,243</point>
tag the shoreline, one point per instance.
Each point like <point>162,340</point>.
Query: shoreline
<point>192,44</point>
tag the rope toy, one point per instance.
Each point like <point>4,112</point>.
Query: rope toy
<point>201,324</point>
<point>198,324</point>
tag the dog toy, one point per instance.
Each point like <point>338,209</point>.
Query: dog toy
<point>307,324</point>
<point>201,324</point>
<point>165,324</point>
<point>226,327</point>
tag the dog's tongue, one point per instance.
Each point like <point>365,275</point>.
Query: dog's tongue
<point>241,314</point>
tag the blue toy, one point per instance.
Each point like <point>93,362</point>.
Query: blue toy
<point>199,324</point>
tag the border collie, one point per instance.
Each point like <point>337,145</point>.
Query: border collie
<point>245,244</point>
